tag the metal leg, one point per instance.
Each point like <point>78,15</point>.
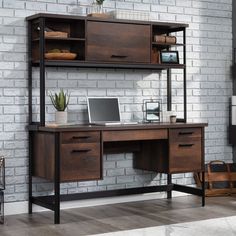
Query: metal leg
<point>203,189</point>
<point>30,172</point>
<point>57,180</point>
<point>169,181</point>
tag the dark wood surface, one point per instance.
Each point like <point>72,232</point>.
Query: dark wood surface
<point>141,126</point>
<point>59,17</point>
<point>43,155</point>
<point>185,150</point>
<point>102,43</point>
<point>163,148</point>
<point>80,162</point>
<point>118,42</point>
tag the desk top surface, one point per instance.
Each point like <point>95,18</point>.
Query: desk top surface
<point>139,126</point>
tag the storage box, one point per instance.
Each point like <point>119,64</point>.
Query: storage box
<point>170,39</point>
<point>220,178</point>
<point>56,34</point>
<point>159,38</point>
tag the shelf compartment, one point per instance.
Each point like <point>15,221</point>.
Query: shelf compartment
<point>74,28</point>
<point>74,46</point>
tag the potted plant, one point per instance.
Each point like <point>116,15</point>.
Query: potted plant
<point>99,3</point>
<point>60,101</point>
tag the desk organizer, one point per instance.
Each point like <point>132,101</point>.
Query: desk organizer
<point>2,187</point>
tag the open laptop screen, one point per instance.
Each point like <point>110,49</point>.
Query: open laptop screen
<point>103,110</point>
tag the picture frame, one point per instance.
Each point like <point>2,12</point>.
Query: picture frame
<point>169,57</point>
<point>152,110</point>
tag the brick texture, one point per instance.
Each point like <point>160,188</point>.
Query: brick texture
<point>209,49</point>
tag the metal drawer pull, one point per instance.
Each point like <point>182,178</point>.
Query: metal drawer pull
<point>119,56</point>
<point>186,145</point>
<point>185,133</point>
<point>80,150</point>
<point>80,137</point>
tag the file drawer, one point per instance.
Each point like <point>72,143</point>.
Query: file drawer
<point>185,150</point>
<point>80,162</point>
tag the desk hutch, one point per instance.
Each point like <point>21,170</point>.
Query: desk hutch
<point>74,153</point>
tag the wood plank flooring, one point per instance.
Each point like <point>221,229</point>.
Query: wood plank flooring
<point>115,217</point>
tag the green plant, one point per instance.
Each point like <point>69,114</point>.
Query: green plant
<point>60,101</point>
<point>100,2</point>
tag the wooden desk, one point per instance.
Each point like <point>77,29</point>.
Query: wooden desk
<point>74,153</point>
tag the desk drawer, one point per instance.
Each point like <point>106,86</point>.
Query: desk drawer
<point>80,137</point>
<point>111,136</point>
<point>185,156</point>
<point>184,134</point>
<point>80,162</point>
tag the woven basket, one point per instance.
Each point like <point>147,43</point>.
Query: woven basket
<point>160,38</point>
<point>60,56</point>
<point>56,34</point>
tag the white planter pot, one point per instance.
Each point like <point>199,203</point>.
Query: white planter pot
<point>61,117</point>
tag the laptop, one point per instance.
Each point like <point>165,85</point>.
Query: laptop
<point>104,111</point>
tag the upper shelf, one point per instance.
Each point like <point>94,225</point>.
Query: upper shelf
<point>101,43</point>
<point>85,64</point>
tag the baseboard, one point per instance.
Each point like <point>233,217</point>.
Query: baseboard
<point>15,208</point>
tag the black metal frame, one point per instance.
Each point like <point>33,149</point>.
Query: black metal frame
<point>53,202</point>
<point>2,187</point>
<point>43,64</point>
<point>1,207</point>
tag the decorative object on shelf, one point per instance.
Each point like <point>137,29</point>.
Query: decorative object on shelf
<point>96,10</point>
<point>60,102</point>
<point>173,119</point>
<point>129,15</point>
<point>152,110</point>
<point>170,39</point>
<point>49,32</point>
<point>155,56</point>
<point>57,54</point>
<point>164,39</point>
<point>2,187</point>
<point>169,57</point>
<point>159,38</point>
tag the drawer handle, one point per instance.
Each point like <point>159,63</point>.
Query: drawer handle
<point>118,56</point>
<point>186,145</point>
<point>80,150</point>
<point>80,137</point>
<point>185,133</point>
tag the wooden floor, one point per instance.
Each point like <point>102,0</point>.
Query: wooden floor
<point>123,216</point>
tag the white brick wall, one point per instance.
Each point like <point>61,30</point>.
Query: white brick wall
<point>209,47</point>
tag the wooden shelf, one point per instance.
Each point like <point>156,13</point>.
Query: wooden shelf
<point>85,64</point>
<point>168,44</point>
<point>60,39</point>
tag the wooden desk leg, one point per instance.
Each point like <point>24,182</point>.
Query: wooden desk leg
<point>30,171</point>
<point>203,189</point>
<point>57,180</point>
<point>169,182</point>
